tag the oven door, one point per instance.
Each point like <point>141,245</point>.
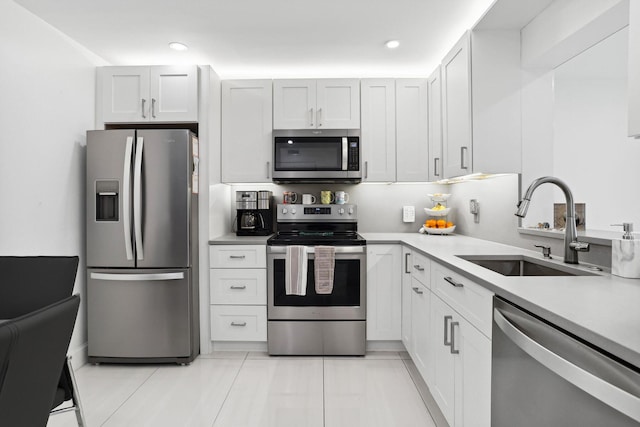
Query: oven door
<point>347,301</point>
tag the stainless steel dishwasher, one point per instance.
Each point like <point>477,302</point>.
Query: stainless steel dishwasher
<point>542,376</point>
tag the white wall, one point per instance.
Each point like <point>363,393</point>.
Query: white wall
<point>47,102</point>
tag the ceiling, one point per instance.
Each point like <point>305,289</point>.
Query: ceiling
<point>268,38</point>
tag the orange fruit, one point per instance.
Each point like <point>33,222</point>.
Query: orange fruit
<point>449,224</point>
<point>441,223</point>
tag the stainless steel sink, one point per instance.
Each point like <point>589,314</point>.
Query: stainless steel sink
<point>521,265</point>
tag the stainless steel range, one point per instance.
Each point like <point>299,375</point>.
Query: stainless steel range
<point>317,323</point>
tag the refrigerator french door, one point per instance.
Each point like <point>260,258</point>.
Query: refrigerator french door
<point>142,246</point>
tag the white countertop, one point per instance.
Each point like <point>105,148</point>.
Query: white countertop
<point>602,309</point>
<point>232,239</point>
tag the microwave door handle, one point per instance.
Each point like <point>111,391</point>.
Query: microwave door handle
<point>126,194</point>
<point>345,153</point>
<point>137,198</point>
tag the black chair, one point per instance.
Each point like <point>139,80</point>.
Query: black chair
<point>36,344</point>
<point>28,283</point>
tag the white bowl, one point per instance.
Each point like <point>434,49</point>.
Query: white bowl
<point>447,230</point>
<point>442,212</point>
<point>441,197</point>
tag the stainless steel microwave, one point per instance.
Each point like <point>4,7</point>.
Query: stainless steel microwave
<point>317,156</point>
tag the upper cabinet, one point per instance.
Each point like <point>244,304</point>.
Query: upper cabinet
<point>481,104</point>
<point>394,130</point>
<point>316,104</point>
<point>148,94</point>
<point>434,107</point>
<point>456,109</point>
<point>246,130</point>
<point>634,69</point>
<point>412,145</point>
<point>378,132</point>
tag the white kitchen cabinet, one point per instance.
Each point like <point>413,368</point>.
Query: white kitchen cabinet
<point>238,292</point>
<point>456,109</point>
<point>316,104</point>
<point>384,292</point>
<point>148,94</point>
<point>394,130</point>
<point>634,69</point>
<point>460,366</point>
<point>406,301</point>
<point>378,132</point>
<point>481,104</point>
<point>412,145</point>
<point>420,330</point>
<point>434,108</point>
<point>246,131</point>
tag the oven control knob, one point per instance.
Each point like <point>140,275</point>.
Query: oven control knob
<point>341,211</point>
<point>350,211</point>
<point>284,210</point>
<point>293,211</point>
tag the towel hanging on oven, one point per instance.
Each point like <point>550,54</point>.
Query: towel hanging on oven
<point>324,268</point>
<point>295,281</point>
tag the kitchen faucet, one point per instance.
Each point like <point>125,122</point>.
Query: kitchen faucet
<point>571,244</point>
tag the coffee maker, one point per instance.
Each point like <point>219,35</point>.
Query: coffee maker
<point>254,213</point>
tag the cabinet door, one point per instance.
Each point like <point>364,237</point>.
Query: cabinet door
<point>246,130</point>
<point>420,333</point>
<point>174,94</point>
<point>125,94</point>
<point>294,104</point>
<point>407,293</point>
<point>412,145</point>
<point>434,108</point>
<point>456,109</point>
<point>384,292</point>
<point>442,376</point>
<point>338,104</point>
<point>473,376</point>
<point>379,130</point>
<point>634,69</point>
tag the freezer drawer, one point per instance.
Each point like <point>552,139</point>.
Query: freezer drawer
<point>139,313</point>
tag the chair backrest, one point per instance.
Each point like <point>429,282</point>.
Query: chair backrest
<point>32,282</point>
<point>38,344</point>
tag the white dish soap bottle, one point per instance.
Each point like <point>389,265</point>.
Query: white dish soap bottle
<point>625,254</point>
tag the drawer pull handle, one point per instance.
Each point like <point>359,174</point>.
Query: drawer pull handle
<point>238,323</point>
<point>237,256</point>
<point>447,319</point>
<point>238,287</point>
<point>417,290</point>
<point>453,338</point>
<point>417,267</point>
<point>453,282</point>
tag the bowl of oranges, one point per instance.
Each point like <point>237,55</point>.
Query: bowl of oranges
<point>438,226</point>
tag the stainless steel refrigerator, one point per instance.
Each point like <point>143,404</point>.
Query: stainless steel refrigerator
<point>142,246</point>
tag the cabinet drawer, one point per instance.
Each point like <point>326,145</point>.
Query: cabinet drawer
<point>238,256</point>
<point>244,286</point>
<point>420,268</point>
<point>471,300</point>
<point>238,323</point>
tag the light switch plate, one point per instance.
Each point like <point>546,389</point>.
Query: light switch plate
<point>408,214</point>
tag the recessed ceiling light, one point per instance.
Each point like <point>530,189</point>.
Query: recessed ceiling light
<point>178,46</point>
<point>392,44</point>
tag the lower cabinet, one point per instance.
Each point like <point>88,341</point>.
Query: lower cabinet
<point>238,292</point>
<point>384,293</point>
<point>460,378</point>
<point>420,334</point>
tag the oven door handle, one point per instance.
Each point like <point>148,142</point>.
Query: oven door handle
<point>597,387</point>
<point>311,249</point>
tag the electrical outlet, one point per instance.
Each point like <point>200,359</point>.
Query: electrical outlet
<point>408,214</point>
<point>474,208</point>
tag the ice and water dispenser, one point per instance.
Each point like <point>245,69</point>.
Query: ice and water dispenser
<point>107,200</point>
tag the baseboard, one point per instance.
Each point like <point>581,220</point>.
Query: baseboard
<point>385,346</point>
<point>425,394</point>
<point>238,346</point>
<point>79,356</point>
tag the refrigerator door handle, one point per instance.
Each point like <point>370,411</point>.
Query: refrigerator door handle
<point>138,277</point>
<point>137,198</point>
<point>126,198</point>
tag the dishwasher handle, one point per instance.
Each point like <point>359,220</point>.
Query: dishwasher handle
<point>608,393</point>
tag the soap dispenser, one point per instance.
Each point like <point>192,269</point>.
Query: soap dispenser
<point>625,254</point>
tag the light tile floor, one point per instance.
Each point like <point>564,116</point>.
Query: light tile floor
<point>240,389</point>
